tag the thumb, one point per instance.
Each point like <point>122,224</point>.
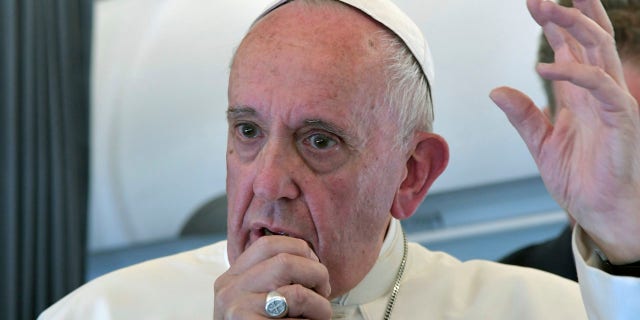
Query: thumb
<point>531,123</point>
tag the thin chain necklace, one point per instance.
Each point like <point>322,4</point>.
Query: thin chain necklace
<point>396,285</point>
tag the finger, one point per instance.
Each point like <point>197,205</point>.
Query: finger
<point>534,9</point>
<point>531,123</point>
<point>614,99</point>
<point>557,37</point>
<point>595,10</point>
<point>581,31</point>
<point>561,41</point>
<point>250,307</point>
<point>547,112</point>
<point>302,302</point>
<point>564,47</point>
<point>276,270</point>
<point>305,303</point>
<point>284,269</point>
<point>585,30</point>
<point>268,247</point>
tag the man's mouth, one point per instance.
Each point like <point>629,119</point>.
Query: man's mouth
<point>268,232</point>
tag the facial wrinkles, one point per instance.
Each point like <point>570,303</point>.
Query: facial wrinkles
<point>332,81</point>
<point>292,213</point>
<point>350,80</point>
<point>291,93</point>
<point>349,49</point>
<point>287,213</point>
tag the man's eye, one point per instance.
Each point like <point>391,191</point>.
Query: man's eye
<point>321,141</point>
<point>248,130</point>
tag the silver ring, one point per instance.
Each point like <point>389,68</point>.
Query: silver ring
<point>276,305</point>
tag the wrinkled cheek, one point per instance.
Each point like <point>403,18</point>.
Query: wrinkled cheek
<point>239,191</point>
<point>239,186</point>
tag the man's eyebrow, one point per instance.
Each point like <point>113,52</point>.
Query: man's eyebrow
<point>349,137</point>
<point>321,124</point>
<point>239,111</point>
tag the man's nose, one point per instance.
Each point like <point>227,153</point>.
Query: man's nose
<point>276,172</point>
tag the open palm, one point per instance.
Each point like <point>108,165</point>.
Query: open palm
<point>589,158</point>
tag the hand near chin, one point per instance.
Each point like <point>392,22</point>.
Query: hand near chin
<point>286,265</point>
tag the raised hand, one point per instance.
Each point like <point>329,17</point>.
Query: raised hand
<point>589,158</point>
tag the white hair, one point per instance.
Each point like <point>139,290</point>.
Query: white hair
<point>408,93</point>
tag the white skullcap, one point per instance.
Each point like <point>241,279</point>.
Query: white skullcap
<point>388,14</point>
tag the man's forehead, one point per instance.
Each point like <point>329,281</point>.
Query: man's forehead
<point>389,15</point>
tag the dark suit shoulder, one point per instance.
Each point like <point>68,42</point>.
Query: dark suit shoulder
<point>554,255</point>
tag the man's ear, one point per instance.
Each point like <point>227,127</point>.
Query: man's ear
<point>427,160</point>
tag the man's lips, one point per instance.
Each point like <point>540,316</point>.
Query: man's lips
<point>267,232</point>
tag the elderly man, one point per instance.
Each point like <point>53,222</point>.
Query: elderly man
<point>330,144</point>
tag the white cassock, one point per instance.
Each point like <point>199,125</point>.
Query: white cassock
<point>434,286</point>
